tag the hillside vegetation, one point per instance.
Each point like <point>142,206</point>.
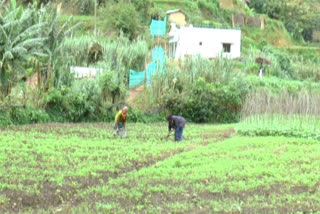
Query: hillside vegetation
<point>123,42</point>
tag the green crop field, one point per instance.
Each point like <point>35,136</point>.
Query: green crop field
<point>82,168</point>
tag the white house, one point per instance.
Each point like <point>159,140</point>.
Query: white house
<point>206,42</point>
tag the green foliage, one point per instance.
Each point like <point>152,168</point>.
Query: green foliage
<point>274,130</point>
<point>55,36</point>
<point>137,116</point>
<point>157,13</point>
<point>22,115</point>
<point>62,161</point>
<point>276,85</point>
<point>82,100</point>
<point>33,1</point>
<point>32,38</point>
<point>208,102</point>
<point>295,63</point>
<point>20,41</point>
<point>298,16</point>
<point>143,7</point>
<point>79,102</point>
<point>5,119</point>
<point>85,7</point>
<point>284,62</point>
<point>109,85</point>
<point>126,19</point>
<point>118,56</point>
<point>206,91</point>
<point>258,5</point>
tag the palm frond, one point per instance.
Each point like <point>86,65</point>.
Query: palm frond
<point>3,34</point>
<point>1,19</point>
<point>19,50</point>
<point>8,55</point>
<point>73,28</point>
<point>11,15</point>
<point>39,54</point>
<point>11,24</point>
<point>29,32</point>
<point>64,27</point>
<point>32,43</point>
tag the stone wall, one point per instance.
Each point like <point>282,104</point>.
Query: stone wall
<point>239,20</point>
<point>254,21</point>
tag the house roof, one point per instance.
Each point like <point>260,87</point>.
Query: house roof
<point>174,11</point>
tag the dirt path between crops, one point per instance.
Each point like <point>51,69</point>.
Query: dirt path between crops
<point>52,195</point>
<point>134,94</point>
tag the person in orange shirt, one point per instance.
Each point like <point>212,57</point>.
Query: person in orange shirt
<point>120,122</point>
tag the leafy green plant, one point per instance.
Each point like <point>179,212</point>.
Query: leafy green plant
<point>206,91</point>
<point>126,20</point>
<point>20,40</point>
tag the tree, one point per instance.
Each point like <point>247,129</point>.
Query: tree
<point>258,5</point>
<point>143,8</point>
<point>125,18</point>
<point>20,41</point>
<point>297,15</point>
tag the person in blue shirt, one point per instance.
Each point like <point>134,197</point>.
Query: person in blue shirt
<point>177,123</point>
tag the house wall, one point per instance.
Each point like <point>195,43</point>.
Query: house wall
<point>178,18</point>
<point>189,39</point>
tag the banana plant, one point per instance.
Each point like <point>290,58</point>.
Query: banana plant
<point>20,40</point>
<point>55,34</point>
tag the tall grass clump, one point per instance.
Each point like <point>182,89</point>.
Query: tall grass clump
<point>289,114</point>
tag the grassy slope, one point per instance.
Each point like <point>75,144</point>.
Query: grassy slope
<point>274,34</point>
<point>81,168</point>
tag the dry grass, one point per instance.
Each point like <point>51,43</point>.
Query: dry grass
<point>301,110</point>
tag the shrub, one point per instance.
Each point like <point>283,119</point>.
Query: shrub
<point>143,8</point>
<point>16,115</point>
<point>82,100</point>
<point>208,102</point>
<point>5,119</point>
<point>85,7</point>
<point>125,18</point>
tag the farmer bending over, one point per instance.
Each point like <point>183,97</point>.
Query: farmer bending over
<point>177,123</point>
<point>120,122</point>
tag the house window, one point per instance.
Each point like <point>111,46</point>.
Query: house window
<point>226,47</point>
